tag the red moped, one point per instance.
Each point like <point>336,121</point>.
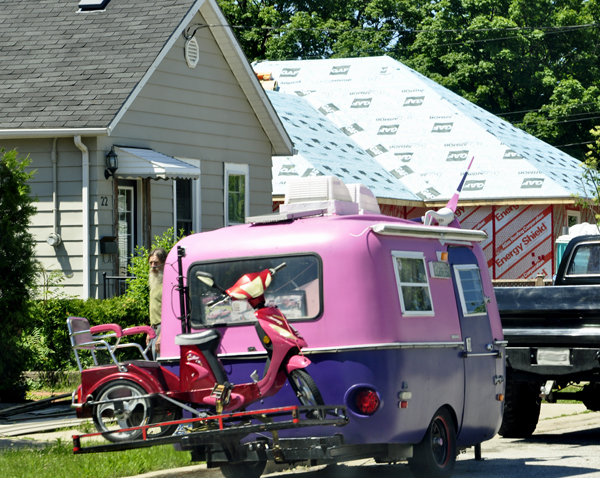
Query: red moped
<point>141,392</point>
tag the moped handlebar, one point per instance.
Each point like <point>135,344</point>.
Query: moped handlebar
<point>214,302</point>
<point>276,269</point>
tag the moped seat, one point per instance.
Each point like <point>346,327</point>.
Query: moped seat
<point>197,338</point>
<point>207,341</point>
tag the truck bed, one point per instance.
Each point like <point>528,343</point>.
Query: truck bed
<point>550,316</point>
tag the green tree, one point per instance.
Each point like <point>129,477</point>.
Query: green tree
<point>273,30</point>
<point>533,62</point>
<point>590,177</point>
<point>17,266</point>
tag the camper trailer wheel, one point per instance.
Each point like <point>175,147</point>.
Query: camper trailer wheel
<point>307,392</point>
<point>435,456</point>
<point>244,470</point>
<point>128,410</point>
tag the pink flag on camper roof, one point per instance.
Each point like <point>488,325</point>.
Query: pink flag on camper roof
<point>454,199</point>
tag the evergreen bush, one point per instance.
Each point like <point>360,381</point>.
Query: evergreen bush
<point>17,268</point>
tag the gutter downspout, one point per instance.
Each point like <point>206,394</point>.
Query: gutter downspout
<point>85,206</point>
<point>54,238</point>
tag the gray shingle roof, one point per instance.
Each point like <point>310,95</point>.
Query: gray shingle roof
<point>63,69</point>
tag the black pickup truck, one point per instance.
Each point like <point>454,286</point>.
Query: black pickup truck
<point>553,336</point>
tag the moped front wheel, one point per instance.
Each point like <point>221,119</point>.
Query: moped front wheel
<point>125,406</point>
<point>307,391</point>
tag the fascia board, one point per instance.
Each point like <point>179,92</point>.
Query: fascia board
<point>52,132</point>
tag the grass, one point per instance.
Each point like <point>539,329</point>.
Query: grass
<point>58,461</point>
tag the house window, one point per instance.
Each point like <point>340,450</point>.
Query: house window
<point>470,290</point>
<point>573,218</point>
<point>126,227</point>
<point>237,193</point>
<point>183,188</point>
<point>413,283</point>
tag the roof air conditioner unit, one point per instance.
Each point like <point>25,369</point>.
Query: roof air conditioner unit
<point>366,200</point>
<point>328,193</point>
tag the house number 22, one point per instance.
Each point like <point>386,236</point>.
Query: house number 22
<point>104,201</point>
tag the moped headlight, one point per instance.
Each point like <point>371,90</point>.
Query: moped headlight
<point>281,331</point>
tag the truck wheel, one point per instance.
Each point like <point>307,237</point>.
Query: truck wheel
<point>306,390</point>
<point>522,405</point>
<point>435,456</point>
<point>244,470</point>
<point>130,409</point>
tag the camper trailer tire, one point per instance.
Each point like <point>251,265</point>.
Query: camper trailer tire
<point>244,470</point>
<point>435,455</point>
<point>522,405</point>
<point>130,412</point>
<point>307,391</point>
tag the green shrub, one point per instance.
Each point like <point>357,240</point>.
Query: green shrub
<point>137,288</point>
<point>17,268</point>
<point>45,341</point>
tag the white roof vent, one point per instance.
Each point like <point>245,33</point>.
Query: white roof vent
<point>192,52</point>
<point>320,195</point>
<point>366,200</point>
<point>322,192</point>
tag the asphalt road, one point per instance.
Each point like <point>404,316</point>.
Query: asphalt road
<point>561,447</point>
<point>565,444</point>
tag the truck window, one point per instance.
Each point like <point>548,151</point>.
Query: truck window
<point>413,283</point>
<point>296,289</point>
<point>586,260</point>
<point>470,289</point>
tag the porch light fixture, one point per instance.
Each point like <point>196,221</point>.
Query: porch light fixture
<point>112,164</point>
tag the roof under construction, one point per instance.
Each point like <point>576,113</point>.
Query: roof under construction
<point>420,132</point>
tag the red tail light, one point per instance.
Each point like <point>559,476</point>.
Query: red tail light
<point>367,401</point>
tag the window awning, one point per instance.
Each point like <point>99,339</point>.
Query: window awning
<point>146,163</point>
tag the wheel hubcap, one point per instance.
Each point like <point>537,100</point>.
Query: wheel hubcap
<point>439,440</point>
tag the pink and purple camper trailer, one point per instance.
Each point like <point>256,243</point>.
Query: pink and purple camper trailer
<point>399,318</point>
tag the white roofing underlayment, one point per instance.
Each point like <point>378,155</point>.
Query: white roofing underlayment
<point>322,149</point>
<point>419,131</point>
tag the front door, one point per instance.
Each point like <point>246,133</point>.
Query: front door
<point>479,419</point>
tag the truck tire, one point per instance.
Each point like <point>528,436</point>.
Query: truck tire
<point>244,470</point>
<point>435,455</point>
<point>522,405</point>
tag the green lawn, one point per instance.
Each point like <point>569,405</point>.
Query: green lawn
<point>58,461</point>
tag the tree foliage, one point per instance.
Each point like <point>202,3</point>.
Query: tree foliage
<point>591,177</point>
<point>533,62</point>
<point>17,265</point>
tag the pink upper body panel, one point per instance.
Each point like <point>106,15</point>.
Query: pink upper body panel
<point>361,304</point>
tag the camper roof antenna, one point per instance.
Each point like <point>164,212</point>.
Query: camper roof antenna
<point>446,215</point>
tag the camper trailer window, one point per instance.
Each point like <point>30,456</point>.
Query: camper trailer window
<point>471,290</point>
<point>295,290</point>
<point>413,283</point>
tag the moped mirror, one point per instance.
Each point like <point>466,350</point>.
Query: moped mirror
<point>206,278</point>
